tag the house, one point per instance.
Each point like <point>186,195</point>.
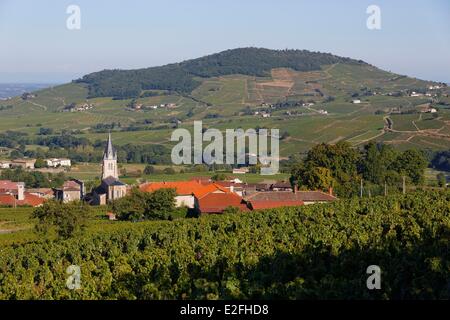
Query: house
<point>251,188</point>
<point>55,162</point>
<point>5,164</point>
<point>13,194</point>
<point>311,197</point>
<point>186,190</point>
<point>218,202</point>
<point>46,193</point>
<point>111,188</point>
<point>241,170</point>
<point>427,109</point>
<point>281,186</point>
<point>14,188</point>
<point>28,200</point>
<point>23,163</point>
<point>232,186</point>
<point>111,216</point>
<point>71,190</point>
<point>272,199</point>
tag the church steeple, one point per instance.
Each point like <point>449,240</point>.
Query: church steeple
<point>110,153</point>
<point>109,165</point>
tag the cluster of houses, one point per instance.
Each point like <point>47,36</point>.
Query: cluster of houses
<point>206,196</point>
<point>13,194</point>
<point>28,163</point>
<point>17,163</point>
<point>200,194</point>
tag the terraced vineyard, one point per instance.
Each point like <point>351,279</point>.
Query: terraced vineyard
<point>221,101</point>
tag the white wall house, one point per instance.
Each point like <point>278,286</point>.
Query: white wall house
<point>5,164</point>
<point>53,163</point>
<point>185,201</point>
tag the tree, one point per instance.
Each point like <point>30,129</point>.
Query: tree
<point>140,205</point>
<point>149,169</point>
<point>161,204</point>
<point>412,163</point>
<point>341,159</point>
<point>45,131</point>
<point>66,219</point>
<point>313,178</point>
<point>220,176</point>
<point>169,170</point>
<point>377,162</point>
<point>319,178</point>
<point>40,163</point>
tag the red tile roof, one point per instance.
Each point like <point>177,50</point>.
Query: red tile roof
<point>30,200</point>
<point>184,187</point>
<point>218,202</point>
<point>8,185</point>
<point>286,196</point>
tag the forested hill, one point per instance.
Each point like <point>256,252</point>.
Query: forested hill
<point>180,77</point>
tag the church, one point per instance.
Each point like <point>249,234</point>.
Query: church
<point>111,187</point>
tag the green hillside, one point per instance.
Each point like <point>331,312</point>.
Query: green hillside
<point>230,87</point>
<point>180,77</point>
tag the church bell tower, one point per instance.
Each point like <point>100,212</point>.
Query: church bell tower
<point>109,165</point>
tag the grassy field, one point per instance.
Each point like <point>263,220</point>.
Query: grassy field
<point>133,173</point>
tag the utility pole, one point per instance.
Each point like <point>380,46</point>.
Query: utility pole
<point>385,189</point>
<point>404,185</point>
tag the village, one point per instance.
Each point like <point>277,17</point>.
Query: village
<point>201,194</point>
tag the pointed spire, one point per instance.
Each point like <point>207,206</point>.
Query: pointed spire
<point>109,150</point>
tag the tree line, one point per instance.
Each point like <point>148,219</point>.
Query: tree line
<point>342,167</point>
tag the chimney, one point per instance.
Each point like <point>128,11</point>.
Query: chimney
<point>330,191</point>
<point>20,191</point>
<point>231,188</point>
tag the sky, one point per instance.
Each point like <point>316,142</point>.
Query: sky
<point>37,46</point>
